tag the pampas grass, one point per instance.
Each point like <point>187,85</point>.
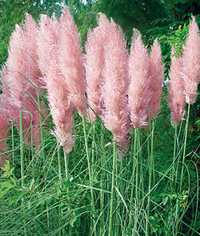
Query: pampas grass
<point>82,189</point>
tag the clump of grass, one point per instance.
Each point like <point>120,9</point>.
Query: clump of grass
<point>120,200</point>
<point>84,189</point>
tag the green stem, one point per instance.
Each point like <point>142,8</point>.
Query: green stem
<point>174,156</point>
<point>137,198</point>
<point>66,160</point>
<point>185,144</point>
<point>41,130</point>
<point>59,164</point>
<point>110,230</point>
<point>60,178</point>
<point>21,149</point>
<point>92,169</point>
<point>22,163</point>
<point>102,178</point>
<point>90,176</point>
<point>184,152</point>
<point>151,166</point>
<point>42,150</point>
<point>13,144</point>
<point>133,177</point>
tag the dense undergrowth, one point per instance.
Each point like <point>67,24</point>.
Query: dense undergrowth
<point>46,192</point>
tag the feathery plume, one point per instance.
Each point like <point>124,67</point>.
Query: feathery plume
<point>116,82</point>
<point>156,76</point>
<point>15,67</point>
<point>58,94</point>
<point>176,90</point>
<point>139,93</point>
<point>94,71</point>
<point>71,61</point>
<point>191,62</point>
<point>20,75</point>
<point>33,72</point>
<point>33,75</point>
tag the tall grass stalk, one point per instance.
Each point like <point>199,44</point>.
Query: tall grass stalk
<point>67,176</point>
<point>66,161</point>
<point>41,129</point>
<point>103,177</point>
<point>22,164</point>
<point>174,156</point>
<point>151,172</point>
<point>183,163</point>
<point>59,162</point>
<point>137,199</point>
<point>134,167</point>
<point>112,197</point>
<point>21,149</point>
<point>185,144</point>
<point>13,143</point>
<point>90,176</point>
<point>123,201</point>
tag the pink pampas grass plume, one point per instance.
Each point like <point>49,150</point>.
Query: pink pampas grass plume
<point>116,82</point>
<point>13,76</point>
<point>33,74</point>
<point>4,132</point>
<point>94,71</point>
<point>156,76</point>
<point>16,65</point>
<point>191,62</point>
<point>58,94</point>
<point>139,93</point>
<point>71,61</point>
<point>20,76</point>
<point>30,46</point>
<point>46,45</point>
<point>176,90</point>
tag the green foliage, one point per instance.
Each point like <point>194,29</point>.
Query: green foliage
<point>64,199</point>
<point>132,14</point>
<point>13,12</point>
<point>176,38</point>
<point>59,203</point>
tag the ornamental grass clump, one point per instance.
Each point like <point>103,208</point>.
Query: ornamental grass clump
<point>88,192</point>
<point>61,107</point>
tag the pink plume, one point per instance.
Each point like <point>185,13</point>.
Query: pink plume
<point>191,62</point>
<point>94,71</point>
<point>176,90</point>
<point>156,76</point>
<point>16,66</point>
<point>33,72</point>
<point>58,94</point>
<point>71,61</point>
<point>140,86</point>
<point>20,76</point>
<point>116,82</point>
